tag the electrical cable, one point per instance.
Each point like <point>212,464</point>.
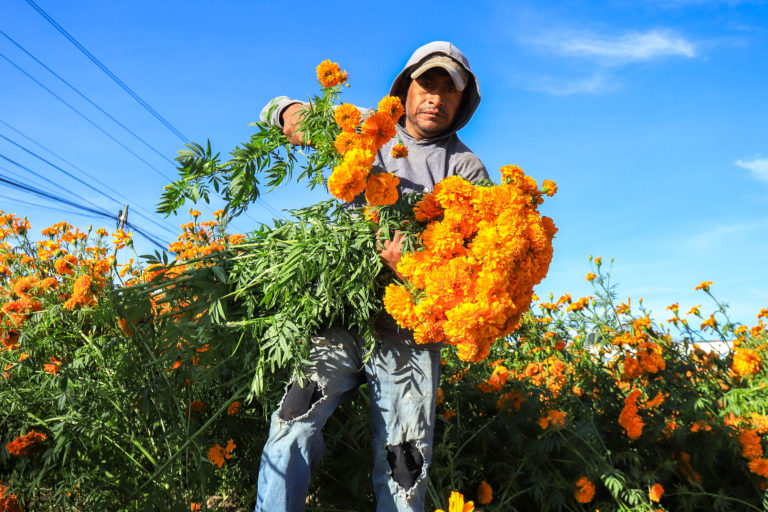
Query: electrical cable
<point>86,98</point>
<point>86,118</point>
<point>44,207</point>
<point>79,180</point>
<point>108,72</point>
<point>173,229</point>
<point>100,213</point>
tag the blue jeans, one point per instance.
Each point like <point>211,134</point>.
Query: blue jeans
<point>403,383</point>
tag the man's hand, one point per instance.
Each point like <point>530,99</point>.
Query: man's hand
<point>390,251</point>
<point>291,118</point>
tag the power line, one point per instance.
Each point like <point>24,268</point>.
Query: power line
<point>58,199</point>
<point>44,207</point>
<point>102,130</point>
<point>86,98</point>
<point>79,180</point>
<point>108,72</point>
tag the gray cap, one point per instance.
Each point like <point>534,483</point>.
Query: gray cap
<point>457,72</point>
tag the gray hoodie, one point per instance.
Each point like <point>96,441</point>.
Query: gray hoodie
<point>429,160</point>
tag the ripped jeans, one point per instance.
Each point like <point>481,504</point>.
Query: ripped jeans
<point>403,384</point>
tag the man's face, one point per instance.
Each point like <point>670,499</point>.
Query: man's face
<point>431,104</point>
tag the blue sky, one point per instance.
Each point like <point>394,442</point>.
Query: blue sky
<point>650,116</point>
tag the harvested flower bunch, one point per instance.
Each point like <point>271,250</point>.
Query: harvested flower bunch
<point>483,251</point>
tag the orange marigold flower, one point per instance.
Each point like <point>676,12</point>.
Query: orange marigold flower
<point>26,444</point>
<point>195,507</point>
<point>54,366</point>
<point>759,467</point>
<point>379,127</point>
<point>217,454</point>
<point>456,503</point>
<point>590,277</point>
<point>399,151</point>
<point>629,419</point>
<point>585,490</point>
<point>655,493</point>
<point>65,265</point>
<point>427,209</point>
<point>346,142</point>
<point>484,493</point>
<point>233,408</point>
<point>549,188</point>
<point>710,323</point>
<point>330,74</point>
<point>347,181</point>
<point>381,188</point>
<point>347,117</point>
<point>8,502</point>
<point>704,286</point>
<point>694,310</point>
<point>746,361</point>
<point>751,448</point>
<point>392,106</point>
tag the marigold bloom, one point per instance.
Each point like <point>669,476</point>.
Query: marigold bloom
<point>655,493</point>
<point>217,454</point>
<point>347,117</point>
<point>704,286</point>
<point>484,493</point>
<point>585,490</point>
<point>381,189</point>
<point>54,366</point>
<point>751,448</point>
<point>427,209</point>
<point>590,277</point>
<point>549,188</point>
<point>629,419</point>
<point>330,74</point>
<point>379,127</point>
<point>399,151</point>
<point>456,503</point>
<point>392,106</point>
<point>233,408</point>
<point>26,444</point>
<point>347,181</point>
<point>8,502</point>
<point>746,361</point>
<point>347,141</point>
<point>694,310</point>
<point>759,467</point>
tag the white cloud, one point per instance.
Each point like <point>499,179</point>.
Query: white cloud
<point>595,84</point>
<point>758,168</point>
<point>618,50</point>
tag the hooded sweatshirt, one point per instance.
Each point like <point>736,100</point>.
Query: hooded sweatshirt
<point>429,160</point>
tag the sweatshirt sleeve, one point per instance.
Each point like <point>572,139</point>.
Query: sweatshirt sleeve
<point>272,111</point>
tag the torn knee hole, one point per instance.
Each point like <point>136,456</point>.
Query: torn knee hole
<point>299,400</point>
<point>406,463</point>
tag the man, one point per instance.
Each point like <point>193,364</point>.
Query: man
<point>440,94</point>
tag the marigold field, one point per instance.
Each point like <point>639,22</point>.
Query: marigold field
<point>148,385</point>
<point>587,405</point>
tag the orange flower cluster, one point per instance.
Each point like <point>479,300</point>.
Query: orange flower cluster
<point>217,454</point>
<point>484,493</point>
<point>8,502</point>
<point>484,249</point>
<point>585,490</point>
<point>746,361</point>
<point>629,418</point>
<point>456,503</point>
<point>358,144</point>
<point>26,444</point>
<point>330,74</point>
<point>496,381</point>
<point>656,492</point>
<point>554,418</point>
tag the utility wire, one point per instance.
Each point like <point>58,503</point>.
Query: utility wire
<point>94,178</point>
<point>44,207</point>
<point>98,191</point>
<point>53,197</point>
<point>102,130</point>
<point>86,98</point>
<point>108,72</point>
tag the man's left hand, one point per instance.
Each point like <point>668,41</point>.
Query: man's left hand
<point>390,251</point>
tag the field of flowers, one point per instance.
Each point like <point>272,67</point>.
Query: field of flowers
<point>587,405</point>
<point>149,385</point>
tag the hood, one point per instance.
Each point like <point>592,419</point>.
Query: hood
<point>471,97</point>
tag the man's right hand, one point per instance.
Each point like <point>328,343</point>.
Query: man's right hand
<point>292,115</point>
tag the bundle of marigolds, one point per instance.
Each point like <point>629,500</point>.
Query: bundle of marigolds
<point>484,249</point>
